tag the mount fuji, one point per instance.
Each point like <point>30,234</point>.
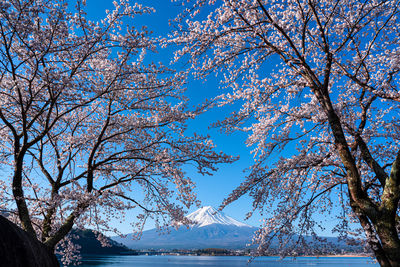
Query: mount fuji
<point>210,229</point>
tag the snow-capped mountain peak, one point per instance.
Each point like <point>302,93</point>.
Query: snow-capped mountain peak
<point>208,215</point>
<point>210,229</point>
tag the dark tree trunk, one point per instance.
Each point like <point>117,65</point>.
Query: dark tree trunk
<point>20,249</point>
<point>382,240</point>
<point>390,242</point>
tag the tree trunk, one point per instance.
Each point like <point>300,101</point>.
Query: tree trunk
<point>18,193</point>
<point>381,236</point>
<point>389,240</point>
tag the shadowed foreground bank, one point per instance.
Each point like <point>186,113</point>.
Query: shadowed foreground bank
<point>19,249</point>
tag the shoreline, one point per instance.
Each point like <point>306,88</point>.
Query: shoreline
<point>343,256</point>
<point>244,255</point>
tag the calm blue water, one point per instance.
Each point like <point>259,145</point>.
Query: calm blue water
<point>224,261</point>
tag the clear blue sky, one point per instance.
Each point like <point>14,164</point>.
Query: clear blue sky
<point>211,190</point>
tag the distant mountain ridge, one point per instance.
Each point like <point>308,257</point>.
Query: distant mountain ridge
<point>87,240</point>
<point>210,228</point>
<point>214,229</point>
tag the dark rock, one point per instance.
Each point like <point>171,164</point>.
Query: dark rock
<point>19,249</point>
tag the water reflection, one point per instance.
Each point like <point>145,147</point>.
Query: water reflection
<point>222,261</point>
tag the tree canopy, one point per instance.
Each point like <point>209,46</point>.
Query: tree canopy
<point>317,83</point>
<point>89,127</point>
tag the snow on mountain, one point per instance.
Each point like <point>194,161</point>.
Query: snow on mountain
<point>210,229</point>
<point>208,215</point>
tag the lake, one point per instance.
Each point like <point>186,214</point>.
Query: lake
<point>224,261</point>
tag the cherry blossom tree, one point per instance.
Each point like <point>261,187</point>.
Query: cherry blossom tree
<point>89,127</point>
<point>317,87</point>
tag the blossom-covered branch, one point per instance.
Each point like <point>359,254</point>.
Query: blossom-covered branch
<point>90,127</point>
<point>318,80</point>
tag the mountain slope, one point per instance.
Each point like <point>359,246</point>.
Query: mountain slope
<point>210,228</point>
<point>90,245</point>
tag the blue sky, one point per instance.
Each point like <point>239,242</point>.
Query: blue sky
<point>211,190</point>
